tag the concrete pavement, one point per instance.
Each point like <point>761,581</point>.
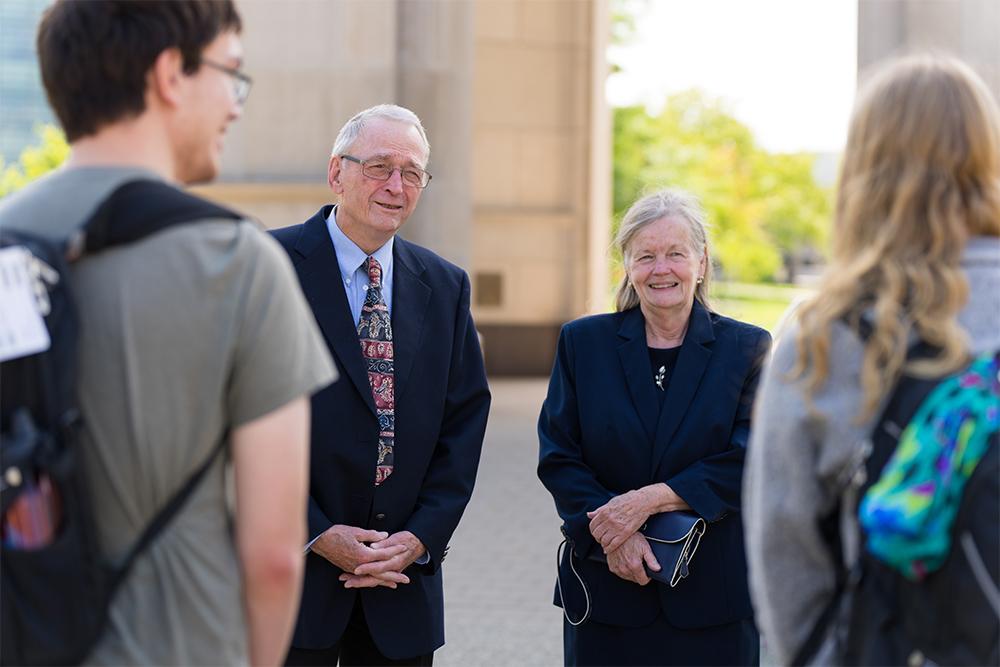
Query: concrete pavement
<point>500,570</point>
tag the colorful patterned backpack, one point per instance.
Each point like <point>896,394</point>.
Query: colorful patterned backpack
<point>924,588</point>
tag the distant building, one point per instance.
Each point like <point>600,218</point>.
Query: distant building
<point>512,95</point>
<point>825,166</point>
<point>22,101</point>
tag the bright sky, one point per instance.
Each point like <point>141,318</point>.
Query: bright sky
<point>786,68</point>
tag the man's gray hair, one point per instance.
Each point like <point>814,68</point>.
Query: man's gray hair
<point>352,128</point>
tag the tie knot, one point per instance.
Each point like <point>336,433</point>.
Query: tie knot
<point>374,272</point>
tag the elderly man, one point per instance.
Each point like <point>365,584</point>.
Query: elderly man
<point>395,449</point>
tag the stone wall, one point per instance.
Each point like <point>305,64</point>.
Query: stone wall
<point>969,29</point>
<point>511,94</point>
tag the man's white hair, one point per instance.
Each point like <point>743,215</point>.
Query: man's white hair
<point>352,128</point>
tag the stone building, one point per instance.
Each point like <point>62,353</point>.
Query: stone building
<point>512,95</point>
<point>968,29</point>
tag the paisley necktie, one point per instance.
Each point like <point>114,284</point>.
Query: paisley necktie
<point>375,334</point>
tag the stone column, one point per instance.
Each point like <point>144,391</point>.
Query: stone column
<point>315,64</point>
<point>599,186</point>
<point>969,29</point>
<point>436,44</point>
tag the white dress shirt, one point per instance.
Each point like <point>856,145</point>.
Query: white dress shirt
<point>352,259</point>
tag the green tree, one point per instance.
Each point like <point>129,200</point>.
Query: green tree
<point>795,210</point>
<point>34,160</point>
<point>765,209</point>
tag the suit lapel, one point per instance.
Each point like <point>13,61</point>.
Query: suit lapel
<point>410,295</point>
<point>634,355</point>
<point>691,363</point>
<point>324,289</point>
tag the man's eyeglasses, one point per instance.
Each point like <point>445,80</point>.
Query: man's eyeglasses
<point>241,82</point>
<point>382,171</point>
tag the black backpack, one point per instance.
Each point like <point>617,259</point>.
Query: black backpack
<point>57,589</point>
<point>952,616</point>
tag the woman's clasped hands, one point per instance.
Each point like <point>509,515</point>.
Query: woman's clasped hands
<point>615,526</point>
<point>618,519</point>
<point>628,560</point>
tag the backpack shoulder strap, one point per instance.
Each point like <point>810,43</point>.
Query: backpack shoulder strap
<point>167,513</point>
<point>904,399</point>
<point>140,208</point>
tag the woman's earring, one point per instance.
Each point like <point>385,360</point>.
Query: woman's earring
<point>700,280</point>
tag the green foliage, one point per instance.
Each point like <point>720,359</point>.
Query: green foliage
<point>764,208</point>
<point>35,160</point>
<point>763,305</point>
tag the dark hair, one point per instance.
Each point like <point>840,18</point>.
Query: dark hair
<point>95,54</point>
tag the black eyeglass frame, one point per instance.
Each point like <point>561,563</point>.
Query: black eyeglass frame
<point>364,165</point>
<point>242,82</point>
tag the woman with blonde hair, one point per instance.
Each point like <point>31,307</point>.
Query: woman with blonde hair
<point>915,257</point>
<point>648,415</point>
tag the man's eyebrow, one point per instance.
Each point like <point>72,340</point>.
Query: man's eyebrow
<point>387,157</point>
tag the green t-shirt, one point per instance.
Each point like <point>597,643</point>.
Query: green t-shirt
<point>183,334</point>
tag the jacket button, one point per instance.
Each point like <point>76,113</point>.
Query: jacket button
<point>380,517</point>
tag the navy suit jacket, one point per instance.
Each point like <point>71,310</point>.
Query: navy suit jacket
<point>442,402</point>
<point>602,433</point>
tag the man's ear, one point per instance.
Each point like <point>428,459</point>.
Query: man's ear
<point>333,175</point>
<point>166,77</point>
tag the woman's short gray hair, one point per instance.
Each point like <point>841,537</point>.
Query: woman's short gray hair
<point>669,202</point>
<point>351,130</point>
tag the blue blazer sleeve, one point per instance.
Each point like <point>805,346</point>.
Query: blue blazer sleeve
<point>317,521</point>
<point>572,483</point>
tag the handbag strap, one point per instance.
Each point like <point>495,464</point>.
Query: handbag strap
<point>583,585</point>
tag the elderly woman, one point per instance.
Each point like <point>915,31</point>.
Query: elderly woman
<point>648,411</point>
<point>915,256</point>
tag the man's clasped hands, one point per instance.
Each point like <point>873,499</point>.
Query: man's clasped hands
<point>369,558</point>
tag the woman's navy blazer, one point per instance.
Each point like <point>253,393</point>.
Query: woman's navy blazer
<point>602,433</point>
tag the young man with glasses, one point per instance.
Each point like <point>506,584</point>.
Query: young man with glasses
<point>395,447</point>
<point>192,335</point>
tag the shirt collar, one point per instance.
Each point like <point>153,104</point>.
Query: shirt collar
<point>349,256</point>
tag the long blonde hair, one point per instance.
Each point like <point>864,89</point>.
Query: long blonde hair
<point>647,210</point>
<point>920,174</point>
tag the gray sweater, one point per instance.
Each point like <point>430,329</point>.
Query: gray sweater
<point>797,464</point>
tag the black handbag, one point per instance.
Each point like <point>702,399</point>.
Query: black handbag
<point>674,538</point>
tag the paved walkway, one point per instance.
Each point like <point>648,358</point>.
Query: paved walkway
<point>501,568</point>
